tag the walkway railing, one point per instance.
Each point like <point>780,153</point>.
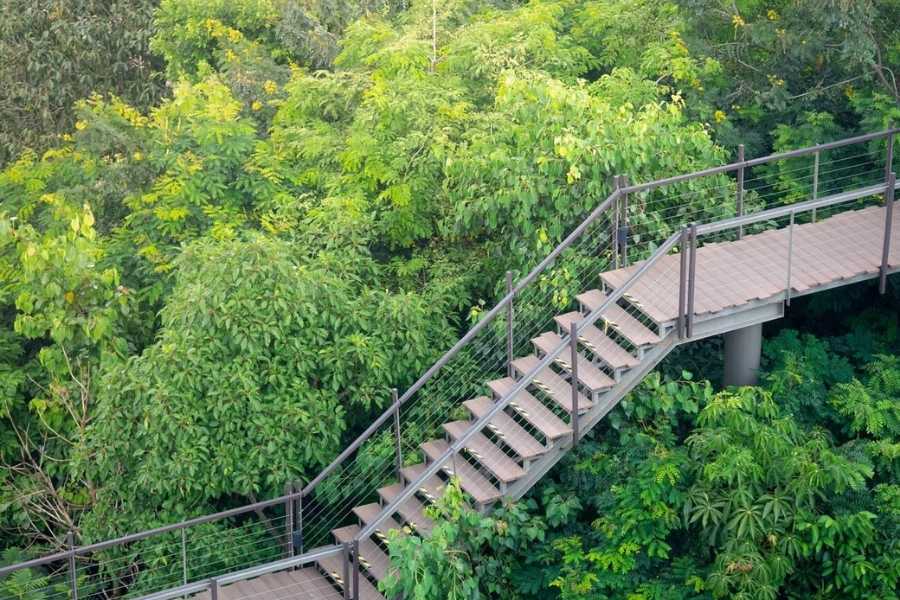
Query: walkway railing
<point>641,222</point>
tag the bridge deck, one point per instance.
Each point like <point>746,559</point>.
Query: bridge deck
<point>844,247</point>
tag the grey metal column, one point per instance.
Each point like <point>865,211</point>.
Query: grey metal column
<point>510,314</point>
<point>73,575</point>
<point>888,224</point>
<point>288,518</point>
<point>622,231</point>
<point>397,447</point>
<point>742,352</point>
<point>740,190</point>
<point>573,348</point>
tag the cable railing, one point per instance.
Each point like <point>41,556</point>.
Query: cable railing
<point>637,224</point>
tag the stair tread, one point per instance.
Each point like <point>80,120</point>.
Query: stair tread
<point>601,345</point>
<point>333,565</point>
<point>371,557</point>
<point>513,435</point>
<point>551,384</point>
<point>432,488</point>
<point>532,409</point>
<point>634,331</point>
<point>588,374</point>
<point>369,512</point>
<point>474,483</point>
<point>410,509</point>
<point>490,456</point>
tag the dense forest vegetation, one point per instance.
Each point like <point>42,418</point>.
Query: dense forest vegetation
<point>229,227</point>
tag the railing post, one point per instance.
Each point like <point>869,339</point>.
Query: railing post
<point>888,222</point>
<point>346,575</point>
<point>509,325</point>
<point>815,185</point>
<point>355,550</point>
<point>298,530</point>
<point>573,346</point>
<point>692,281</point>
<point>739,202</point>
<point>288,518</point>
<point>397,448</point>
<point>214,589</point>
<point>790,251</point>
<point>617,182</point>
<point>73,575</point>
<point>682,282</point>
<point>889,158</point>
<point>184,567</point>
<point>622,231</point>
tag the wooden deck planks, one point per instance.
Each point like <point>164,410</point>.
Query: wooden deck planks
<point>731,274</point>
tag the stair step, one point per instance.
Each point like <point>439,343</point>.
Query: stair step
<point>333,566</point>
<point>432,488</point>
<point>551,384</point>
<point>601,345</point>
<point>618,318</point>
<point>513,435</point>
<point>588,374</point>
<point>490,456</point>
<point>369,512</point>
<point>532,409</point>
<point>474,483</point>
<point>371,557</point>
<point>411,509</point>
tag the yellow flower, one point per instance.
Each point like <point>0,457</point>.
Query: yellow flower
<point>230,55</point>
<point>137,156</point>
<point>70,297</point>
<point>257,105</point>
<point>773,16</point>
<point>737,21</point>
<point>234,35</point>
<point>80,125</point>
<point>270,87</point>
<point>720,116</point>
<point>67,137</point>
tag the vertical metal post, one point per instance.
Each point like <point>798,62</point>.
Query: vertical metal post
<point>355,551</point>
<point>73,576</point>
<point>790,250</point>
<point>815,185</point>
<point>692,281</point>
<point>288,518</point>
<point>888,222</point>
<point>184,568</point>
<point>615,235</point>
<point>889,158</point>
<point>739,202</point>
<point>622,232</point>
<point>346,575</point>
<point>298,542</point>
<point>214,589</point>
<point>397,449</point>
<point>682,282</point>
<point>509,325</point>
<point>573,346</point>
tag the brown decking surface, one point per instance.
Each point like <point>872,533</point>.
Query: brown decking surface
<point>301,584</point>
<point>730,274</point>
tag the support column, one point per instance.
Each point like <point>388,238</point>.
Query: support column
<point>742,352</point>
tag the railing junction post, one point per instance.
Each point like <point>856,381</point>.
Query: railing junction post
<point>346,574</point>
<point>509,325</point>
<point>288,517</point>
<point>355,551</point>
<point>214,589</point>
<point>573,346</point>
<point>790,263</point>
<point>73,575</point>
<point>617,184</point>
<point>888,223</point>
<point>622,230</point>
<point>184,567</point>
<point>692,281</point>
<point>815,185</point>
<point>739,202</point>
<point>682,282</point>
<point>397,448</point>
<point>298,530</point>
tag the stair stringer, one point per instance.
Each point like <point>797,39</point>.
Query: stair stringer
<point>589,420</point>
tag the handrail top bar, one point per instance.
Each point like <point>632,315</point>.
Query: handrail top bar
<point>640,187</point>
<point>462,342</point>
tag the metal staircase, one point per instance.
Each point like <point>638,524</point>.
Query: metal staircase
<point>547,363</point>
